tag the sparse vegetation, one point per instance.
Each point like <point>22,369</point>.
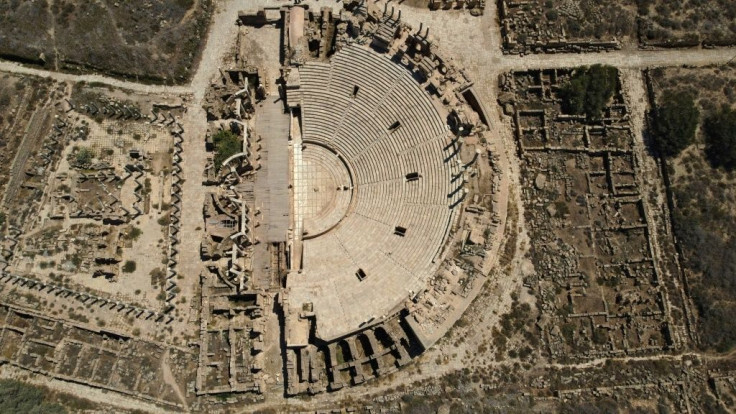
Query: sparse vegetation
<point>227,144</point>
<point>16,397</point>
<point>703,227</point>
<point>702,187</point>
<point>686,22</point>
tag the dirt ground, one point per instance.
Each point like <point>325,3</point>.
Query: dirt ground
<point>641,23</point>
<point>686,23</point>
<point>542,21</point>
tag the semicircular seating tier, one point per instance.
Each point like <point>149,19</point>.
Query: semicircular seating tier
<point>390,239</point>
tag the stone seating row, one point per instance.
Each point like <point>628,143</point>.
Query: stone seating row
<point>400,99</point>
<point>425,226</point>
<point>378,201</point>
<point>360,127</point>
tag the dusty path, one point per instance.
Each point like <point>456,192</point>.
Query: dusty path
<point>171,381</point>
<point>628,59</point>
<point>221,39</point>
<point>12,67</point>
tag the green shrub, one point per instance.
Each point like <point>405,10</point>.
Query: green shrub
<point>76,260</point>
<point>675,121</point>
<point>158,276</point>
<point>134,233</point>
<point>84,156</point>
<point>589,90</point>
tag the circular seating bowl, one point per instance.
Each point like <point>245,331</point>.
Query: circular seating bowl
<point>361,229</point>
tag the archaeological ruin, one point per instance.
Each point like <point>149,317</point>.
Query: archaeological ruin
<point>346,168</point>
<point>344,195</point>
<point>365,206</point>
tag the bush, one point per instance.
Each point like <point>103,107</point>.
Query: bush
<point>227,144</point>
<point>134,233</point>
<point>600,336</point>
<point>129,266</point>
<point>720,138</point>
<point>643,7</point>
<point>675,122</point>
<point>589,90</point>
<point>158,276</point>
<point>84,156</point>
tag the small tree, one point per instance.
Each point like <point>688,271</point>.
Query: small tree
<point>720,138</point>
<point>84,156</point>
<point>675,121</point>
<point>129,266</point>
<point>134,233</point>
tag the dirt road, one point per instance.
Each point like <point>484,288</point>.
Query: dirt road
<point>625,59</point>
<point>12,67</point>
<point>223,29</point>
